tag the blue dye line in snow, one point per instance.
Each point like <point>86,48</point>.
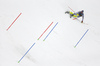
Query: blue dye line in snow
<point>50,31</point>
<point>81,38</point>
<point>26,52</point>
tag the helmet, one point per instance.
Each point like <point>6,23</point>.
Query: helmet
<point>82,10</point>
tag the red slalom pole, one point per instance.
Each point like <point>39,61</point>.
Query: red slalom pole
<point>45,30</point>
<point>71,9</point>
<point>14,21</point>
<point>74,18</point>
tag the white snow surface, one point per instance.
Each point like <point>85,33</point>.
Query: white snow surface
<point>58,49</point>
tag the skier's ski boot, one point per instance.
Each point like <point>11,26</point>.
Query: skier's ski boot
<point>67,12</point>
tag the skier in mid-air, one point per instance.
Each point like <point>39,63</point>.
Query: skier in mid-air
<point>76,15</point>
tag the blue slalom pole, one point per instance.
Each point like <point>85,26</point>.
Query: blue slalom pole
<point>81,38</point>
<point>50,31</point>
<point>26,53</point>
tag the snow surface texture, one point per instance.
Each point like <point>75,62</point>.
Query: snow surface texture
<point>58,49</point>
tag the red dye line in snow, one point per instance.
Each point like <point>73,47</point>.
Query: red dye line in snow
<point>45,30</point>
<point>14,21</point>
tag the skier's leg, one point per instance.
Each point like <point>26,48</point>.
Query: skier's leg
<point>71,12</point>
<point>75,16</point>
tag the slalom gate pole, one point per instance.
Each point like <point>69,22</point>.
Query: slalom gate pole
<point>50,31</point>
<point>81,38</point>
<point>26,53</point>
<point>45,31</point>
<point>74,18</point>
<point>71,9</point>
<point>13,21</point>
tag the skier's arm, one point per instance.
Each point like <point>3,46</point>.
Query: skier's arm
<point>82,17</point>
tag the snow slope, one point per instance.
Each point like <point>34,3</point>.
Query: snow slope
<point>58,49</point>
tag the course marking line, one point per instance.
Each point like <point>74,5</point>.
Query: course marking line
<point>14,21</point>
<point>45,31</point>
<point>50,31</point>
<point>26,53</point>
<point>81,38</point>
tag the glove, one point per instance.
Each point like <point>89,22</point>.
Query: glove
<point>81,21</point>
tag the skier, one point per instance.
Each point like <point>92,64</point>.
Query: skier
<point>76,15</point>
